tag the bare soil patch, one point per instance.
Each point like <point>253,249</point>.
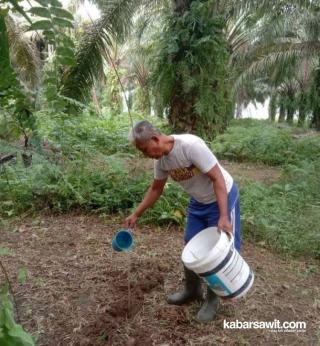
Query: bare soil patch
<point>80,292</point>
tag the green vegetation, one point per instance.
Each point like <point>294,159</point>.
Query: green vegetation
<point>284,215</point>
<point>11,333</point>
<point>265,142</point>
<point>86,169</point>
<point>83,169</point>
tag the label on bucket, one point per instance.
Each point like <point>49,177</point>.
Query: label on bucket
<point>217,285</point>
<point>232,277</point>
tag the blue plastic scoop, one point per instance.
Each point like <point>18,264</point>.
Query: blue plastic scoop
<point>122,241</point>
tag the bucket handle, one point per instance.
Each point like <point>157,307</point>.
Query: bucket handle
<point>229,235</point>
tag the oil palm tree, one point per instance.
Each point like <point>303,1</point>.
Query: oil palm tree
<point>94,48</point>
<point>285,53</point>
<point>199,78</point>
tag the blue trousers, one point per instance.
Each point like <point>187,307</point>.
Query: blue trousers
<point>201,216</point>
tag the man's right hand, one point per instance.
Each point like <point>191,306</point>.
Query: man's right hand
<point>130,221</point>
<point>151,196</point>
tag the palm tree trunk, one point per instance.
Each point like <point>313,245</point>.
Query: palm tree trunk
<point>273,107</point>
<point>181,114</point>
<point>205,107</point>
<point>315,121</point>
<point>302,109</point>
<point>290,107</point>
<point>282,112</point>
<point>95,101</point>
<point>158,106</point>
<point>239,109</point>
<point>143,99</point>
<point>290,114</point>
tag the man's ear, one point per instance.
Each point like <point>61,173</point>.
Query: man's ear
<point>155,139</point>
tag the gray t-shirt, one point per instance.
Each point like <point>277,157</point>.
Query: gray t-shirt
<point>187,163</point>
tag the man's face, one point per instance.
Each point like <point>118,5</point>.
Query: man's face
<point>151,148</point>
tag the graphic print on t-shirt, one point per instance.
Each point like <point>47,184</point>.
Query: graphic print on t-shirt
<point>180,174</point>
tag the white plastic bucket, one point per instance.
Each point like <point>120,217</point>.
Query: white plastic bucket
<point>212,255</point>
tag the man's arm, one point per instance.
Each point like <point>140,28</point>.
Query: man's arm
<point>221,193</point>
<point>151,196</point>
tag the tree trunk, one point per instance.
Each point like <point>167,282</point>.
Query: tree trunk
<point>290,108</point>
<point>95,101</point>
<point>142,100</point>
<point>290,114</point>
<point>302,109</point>
<point>282,113</point>
<point>158,106</point>
<point>181,115</point>
<point>239,108</point>
<point>26,159</point>
<point>203,107</point>
<point>315,121</point>
<point>273,107</point>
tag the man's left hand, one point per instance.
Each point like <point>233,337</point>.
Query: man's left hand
<point>225,226</point>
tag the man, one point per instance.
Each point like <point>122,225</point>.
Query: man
<point>214,196</point>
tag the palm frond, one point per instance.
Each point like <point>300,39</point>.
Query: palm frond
<point>304,71</point>
<point>265,64</point>
<point>289,86</point>
<point>139,66</point>
<point>239,34</point>
<point>113,26</point>
<point>24,54</point>
<point>312,25</point>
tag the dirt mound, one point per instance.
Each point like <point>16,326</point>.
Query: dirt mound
<point>128,300</point>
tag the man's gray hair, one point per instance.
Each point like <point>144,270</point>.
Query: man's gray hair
<point>143,131</point>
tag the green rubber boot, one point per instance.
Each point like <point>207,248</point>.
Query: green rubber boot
<point>209,308</point>
<point>192,290</point>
